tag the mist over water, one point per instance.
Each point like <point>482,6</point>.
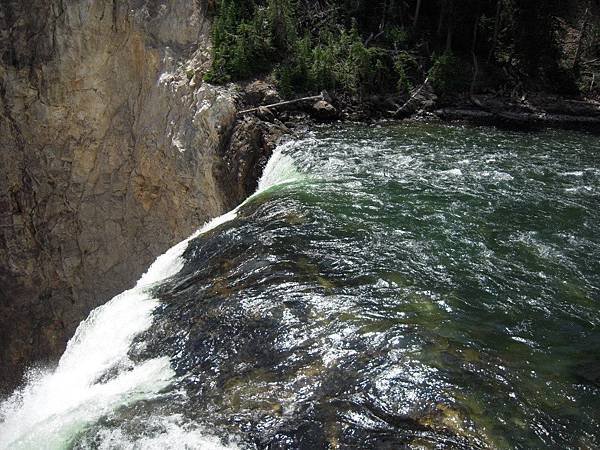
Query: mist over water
<point>406,285</point>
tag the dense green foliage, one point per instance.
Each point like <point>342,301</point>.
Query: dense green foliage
<point>361,47</point>
<point>340,62</point>
<point>447,75</point>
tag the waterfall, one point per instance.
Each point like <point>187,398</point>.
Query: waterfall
<point>94,375</point>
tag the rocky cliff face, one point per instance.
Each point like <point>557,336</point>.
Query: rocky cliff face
<point>110,153</point>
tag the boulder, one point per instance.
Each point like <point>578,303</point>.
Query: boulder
<point>323,110</point>
<point>260,92</point>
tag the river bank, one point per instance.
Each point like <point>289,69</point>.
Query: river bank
<point>532,111</point>
<point>261,122</point>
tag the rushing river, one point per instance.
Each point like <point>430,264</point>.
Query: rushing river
<point>417,286</point>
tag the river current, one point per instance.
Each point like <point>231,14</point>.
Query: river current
<point>391,286</point>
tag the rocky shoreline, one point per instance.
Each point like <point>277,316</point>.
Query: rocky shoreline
<point>536,112</point>
<point>530,112</point>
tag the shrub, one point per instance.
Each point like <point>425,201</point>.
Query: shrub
<point>397,37</point>
<point>294,74</point>
<point>247,38</point>
<point>447,74</point>
<point>406,68</point>
<point>253,37</point>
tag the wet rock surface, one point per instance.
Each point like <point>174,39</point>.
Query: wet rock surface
<point>110,154</point>
<point>324,110</point>
<point>246,153</point>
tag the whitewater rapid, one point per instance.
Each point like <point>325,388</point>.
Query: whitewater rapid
<point>95,376</point>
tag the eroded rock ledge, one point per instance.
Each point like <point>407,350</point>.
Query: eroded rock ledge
<point>111,151</point>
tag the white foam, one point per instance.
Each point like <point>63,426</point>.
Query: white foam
<point>56,406</point>
<point>577,173</point>
<point>173,433</point>
<point>279,169</point>
<point>453,172</point>
<point>497,175</point>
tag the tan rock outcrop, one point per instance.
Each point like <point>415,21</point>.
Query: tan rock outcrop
<point>109,154</point>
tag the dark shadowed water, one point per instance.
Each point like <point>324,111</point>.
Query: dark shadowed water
<point>418,286</point>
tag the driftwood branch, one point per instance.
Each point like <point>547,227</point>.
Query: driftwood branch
<point>412,97</point>
<point>321,96</point>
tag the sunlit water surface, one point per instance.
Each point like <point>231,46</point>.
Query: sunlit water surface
<point>403,285</point>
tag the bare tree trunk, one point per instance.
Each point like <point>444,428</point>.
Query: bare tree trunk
<point>450,25</point>
<point>496,29</point>
<point>402,13</point>
<point>441,19</point>
<point>374,36</point>
<point>473,53</point>
<point>408,102</point>
<point>383,16</point>
<point>580,40</point>
<point>417,11</point>
<point>449,38</point>
<point>322,96</point>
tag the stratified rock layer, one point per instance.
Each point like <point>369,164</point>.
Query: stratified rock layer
<point>109,154</point>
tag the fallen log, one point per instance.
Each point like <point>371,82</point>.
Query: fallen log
<point>322,96</point>
<point>520,120</point>
<point>408,102</point>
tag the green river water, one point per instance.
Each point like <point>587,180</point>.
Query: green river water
<point>390,286</point>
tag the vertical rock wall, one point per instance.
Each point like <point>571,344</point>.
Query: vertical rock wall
<point>109,150</point>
